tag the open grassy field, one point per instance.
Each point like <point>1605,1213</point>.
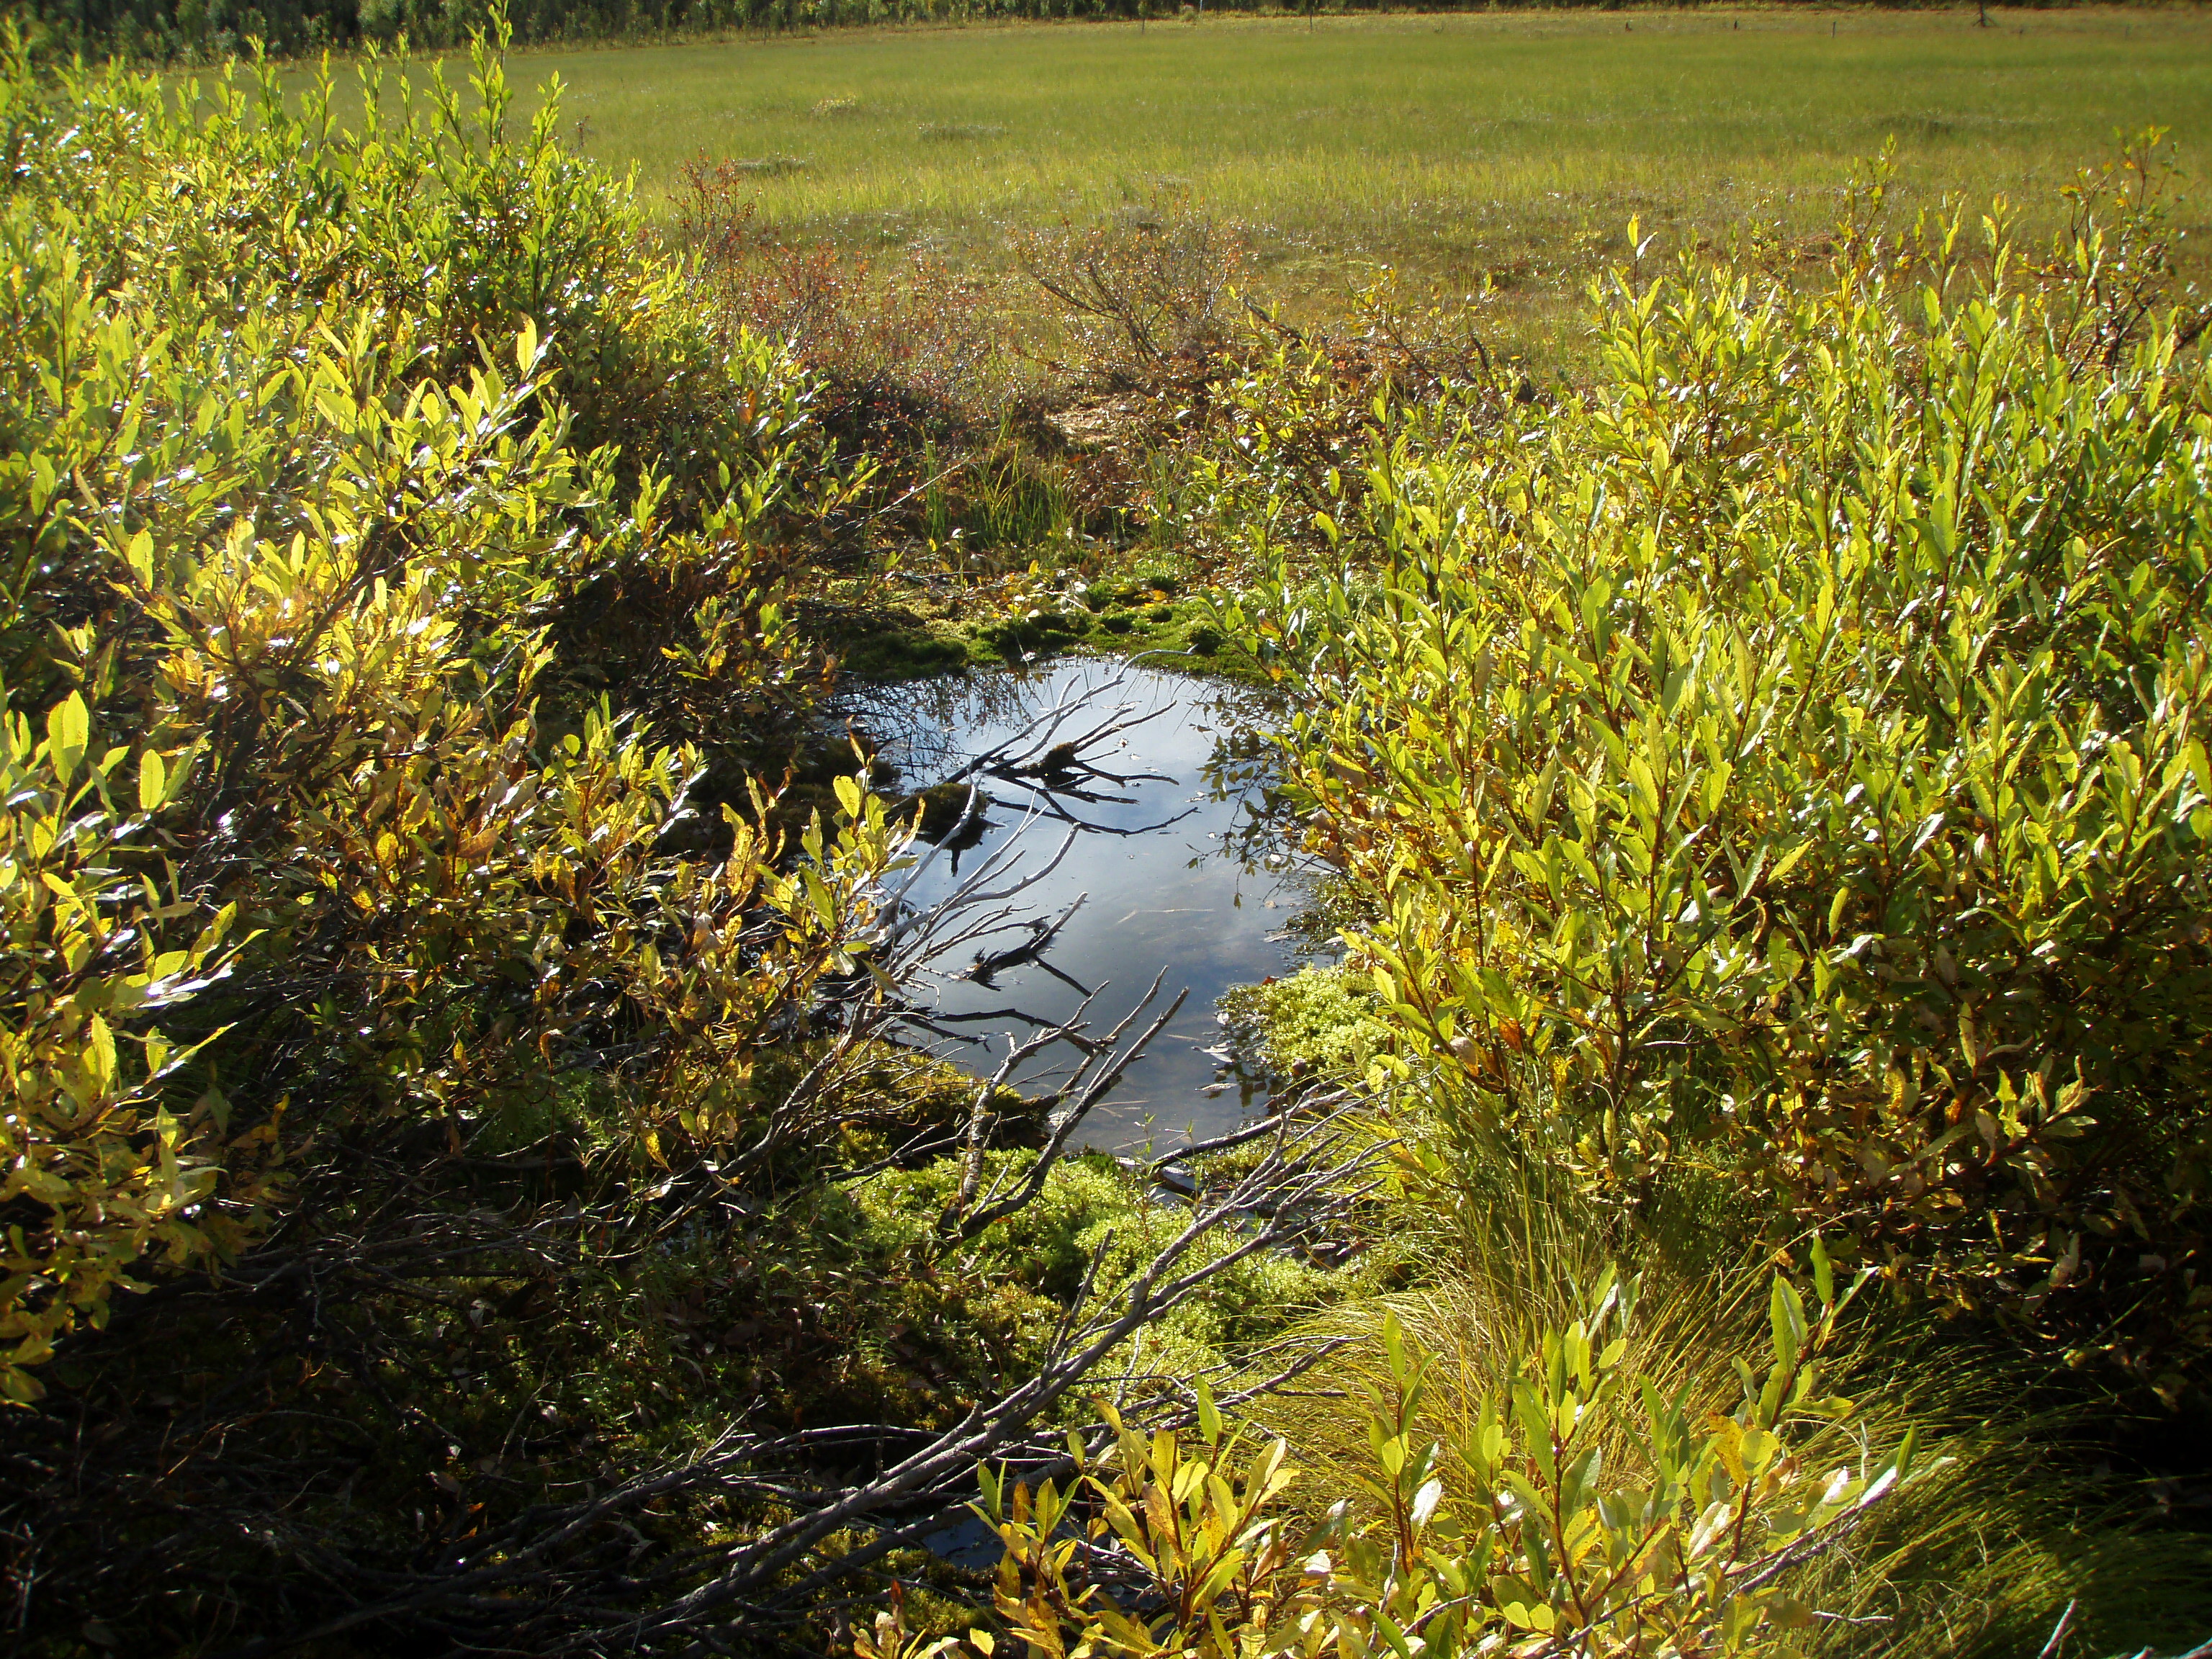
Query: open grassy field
<point>1515,144</point>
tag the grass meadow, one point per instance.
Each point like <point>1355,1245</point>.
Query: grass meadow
<point>1511,145</point>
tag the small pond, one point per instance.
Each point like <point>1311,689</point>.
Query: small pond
<point>1169,856</point>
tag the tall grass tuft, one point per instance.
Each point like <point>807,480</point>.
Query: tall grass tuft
<point>2013,1514</point>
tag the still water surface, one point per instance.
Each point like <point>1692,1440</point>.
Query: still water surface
<point>1170,852</point>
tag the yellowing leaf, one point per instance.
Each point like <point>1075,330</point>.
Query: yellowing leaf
<point>69,729</point>
<point>99,1052</point>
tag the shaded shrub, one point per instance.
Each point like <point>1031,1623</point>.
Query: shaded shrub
<point>281,593</point>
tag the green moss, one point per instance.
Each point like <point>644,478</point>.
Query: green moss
<point>942,806</point>
<point>1315,1022</point>
<point>904,653</point>
<point>1088,1205</point>
<point>1041,633</point>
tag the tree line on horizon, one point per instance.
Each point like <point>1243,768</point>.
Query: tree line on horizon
<point>210,30</point>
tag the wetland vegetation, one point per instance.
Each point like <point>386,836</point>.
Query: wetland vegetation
<point>1546,721</point>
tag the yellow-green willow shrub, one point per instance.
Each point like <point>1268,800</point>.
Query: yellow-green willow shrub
<point>306,822</point>
<point>1783,767</point>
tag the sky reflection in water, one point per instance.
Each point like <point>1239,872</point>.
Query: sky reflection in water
<point>1176,894</point>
